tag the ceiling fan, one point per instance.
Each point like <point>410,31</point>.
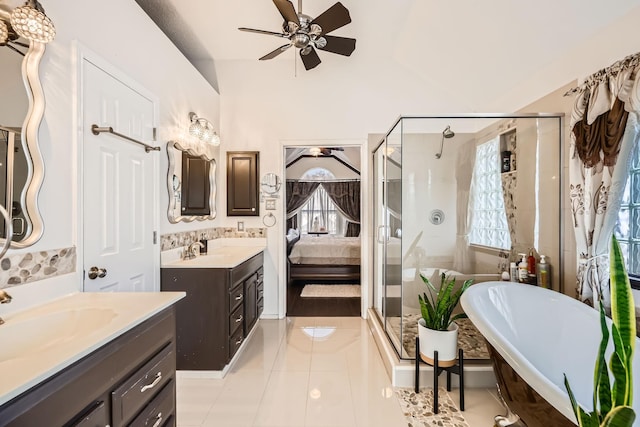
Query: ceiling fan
<point>325,151</point>
<point>309,34</point>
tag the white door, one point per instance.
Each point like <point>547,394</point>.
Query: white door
<point>118,196</point>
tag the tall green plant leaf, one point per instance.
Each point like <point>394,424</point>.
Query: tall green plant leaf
<point>601,386</point>
<point>584,419</point>
<point>621,416</point>
<point>623,315</point>
<point>622,377</point>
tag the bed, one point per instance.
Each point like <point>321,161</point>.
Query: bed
<point>324,257</point>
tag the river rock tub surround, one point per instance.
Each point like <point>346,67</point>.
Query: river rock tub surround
<point>175,240</point>
<point>28,267</point>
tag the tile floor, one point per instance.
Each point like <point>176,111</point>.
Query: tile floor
<point>308,371</point>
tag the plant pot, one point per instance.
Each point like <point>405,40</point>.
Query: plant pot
<point>444,342</point>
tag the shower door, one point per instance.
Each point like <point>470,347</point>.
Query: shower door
<point>387,173</point>
<point>379,226</point>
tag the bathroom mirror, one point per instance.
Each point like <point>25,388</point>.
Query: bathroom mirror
<point>191,182</point>
<point>270,184</point>
<point>21,112</point>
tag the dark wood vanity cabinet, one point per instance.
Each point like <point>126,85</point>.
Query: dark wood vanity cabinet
<point>219,311</point>
<point>130,381</point>
<point>242,183</point>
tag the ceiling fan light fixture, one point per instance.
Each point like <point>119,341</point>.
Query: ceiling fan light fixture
<point>300,40</point>
<point>320,42</point>
<point>29,21</point>
<point>315,30</point>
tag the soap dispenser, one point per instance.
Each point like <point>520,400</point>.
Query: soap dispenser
<point>522,269</point>
<point>543,272</point>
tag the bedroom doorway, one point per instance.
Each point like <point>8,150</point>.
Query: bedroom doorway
<point>323,200</point>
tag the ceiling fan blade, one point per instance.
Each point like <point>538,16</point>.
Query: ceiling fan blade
<point>276,52</point>
<point>333,18</point>
<point>311,59</point>
<point>271,33</point>
<point>287,11</point>
<point>340,45</point>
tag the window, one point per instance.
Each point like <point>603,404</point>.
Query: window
<point>627,229</point>
<point>320,213</point>
<point>489,221</point>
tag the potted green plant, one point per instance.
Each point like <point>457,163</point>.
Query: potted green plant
<point>437,329</point>
<point>612,403</point>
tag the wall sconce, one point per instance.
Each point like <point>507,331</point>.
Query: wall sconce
<point>203,129</point>
<point>30,21</point>
<point>315,151</point>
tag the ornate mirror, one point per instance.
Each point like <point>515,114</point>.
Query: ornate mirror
<point>21,112</point>
<point>191,182</point>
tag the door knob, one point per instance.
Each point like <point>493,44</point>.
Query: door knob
<point>95,272</point>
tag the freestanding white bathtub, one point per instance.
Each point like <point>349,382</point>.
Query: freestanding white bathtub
<point>536,335</point>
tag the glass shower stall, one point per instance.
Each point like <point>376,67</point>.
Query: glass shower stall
<point>462,196</point>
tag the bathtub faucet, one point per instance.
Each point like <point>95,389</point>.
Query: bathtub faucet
<point>5,298</point>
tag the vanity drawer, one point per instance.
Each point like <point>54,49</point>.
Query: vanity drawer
<point>236,320</point>
<point>159,411</point>
<point>235,342</point>
<point>236,296</point>
<point>134,393</point>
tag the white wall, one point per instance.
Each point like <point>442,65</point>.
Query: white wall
<point>120,33</point>
<point>429,184</point>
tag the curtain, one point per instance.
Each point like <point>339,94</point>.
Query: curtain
<point>604,130</point>
<point>464,172</point>
<point>298,192</point>
<point>346,196</point>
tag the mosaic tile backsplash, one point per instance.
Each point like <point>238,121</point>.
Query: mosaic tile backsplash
<point>33,266</point>
<point>185,238</point>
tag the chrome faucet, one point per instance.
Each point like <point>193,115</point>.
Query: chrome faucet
<point>190,252</point>
<point>5,298</point>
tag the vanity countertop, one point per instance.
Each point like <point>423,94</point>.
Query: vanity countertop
<point>216,257</point>
<point>38,342</point>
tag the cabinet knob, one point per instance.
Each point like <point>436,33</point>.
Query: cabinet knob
<point>239,319</point>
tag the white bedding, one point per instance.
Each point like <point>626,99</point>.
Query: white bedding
<point>329,250</point>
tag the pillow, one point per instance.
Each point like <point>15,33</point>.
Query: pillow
<point>292,234</point>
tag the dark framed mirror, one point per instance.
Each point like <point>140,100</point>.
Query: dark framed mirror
<point>191,182</point>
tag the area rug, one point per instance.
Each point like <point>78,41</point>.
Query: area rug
<point>330,291</point>
<point>418,408</point>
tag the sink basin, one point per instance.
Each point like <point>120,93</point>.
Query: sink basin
<point>24,337</point>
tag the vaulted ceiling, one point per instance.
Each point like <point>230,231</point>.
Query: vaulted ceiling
<point>421,56</point>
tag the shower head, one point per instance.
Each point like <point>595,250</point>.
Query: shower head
<point>446,133</point>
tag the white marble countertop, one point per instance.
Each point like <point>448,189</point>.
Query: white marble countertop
<point>38,342</point>
<point>223,255</point>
